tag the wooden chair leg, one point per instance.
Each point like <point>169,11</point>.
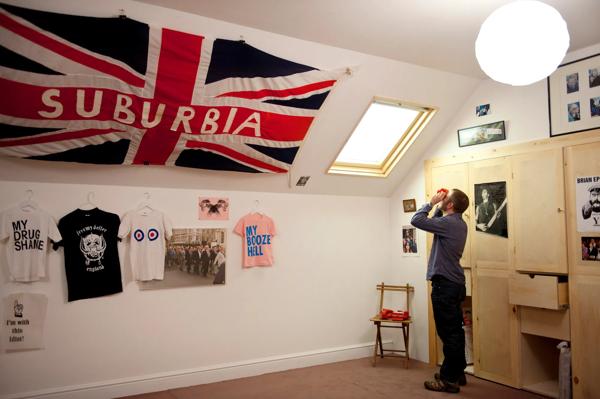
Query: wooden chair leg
<point>380,340</point>
<point>406,334</point>
<point>375,346</point>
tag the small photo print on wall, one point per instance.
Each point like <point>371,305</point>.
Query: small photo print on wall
<point>409,241</point>
<point>491,208</point>
<point>574,112</point>
<point>589,248</point>
<point>572,82</point>
<point>587,203</point>
<point>594,77</point>
<point>482,110</point>
<point>594,106</point>
<point>195,257</point>
<point>213,208</point>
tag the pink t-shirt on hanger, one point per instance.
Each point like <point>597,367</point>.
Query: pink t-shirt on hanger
<point>257,231</point>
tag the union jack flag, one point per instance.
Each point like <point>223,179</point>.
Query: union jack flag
<point>118,91</point>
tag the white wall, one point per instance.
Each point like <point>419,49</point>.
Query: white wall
<point>331,251</point>
<point>329,254</point>
<point>525,111</point>
<point>313,306</point>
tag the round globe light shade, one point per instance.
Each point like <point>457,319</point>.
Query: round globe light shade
<point>522,42</point>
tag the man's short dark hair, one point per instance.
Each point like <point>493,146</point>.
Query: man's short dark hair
<point>459,200</point>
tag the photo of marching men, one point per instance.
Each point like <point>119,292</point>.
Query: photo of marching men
<point>491,208</point>
<point>194,257</point>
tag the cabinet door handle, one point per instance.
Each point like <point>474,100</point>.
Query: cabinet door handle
<point>514,309</point>
<point>559,210</point>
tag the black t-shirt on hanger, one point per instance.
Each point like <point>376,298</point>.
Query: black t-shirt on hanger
<point>92,266</point>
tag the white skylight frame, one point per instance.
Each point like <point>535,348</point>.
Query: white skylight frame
<point>396,123</point>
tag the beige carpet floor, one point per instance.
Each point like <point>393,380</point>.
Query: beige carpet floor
<point>352,379</point>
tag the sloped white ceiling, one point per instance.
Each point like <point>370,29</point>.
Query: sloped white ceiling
<point>438,34</point>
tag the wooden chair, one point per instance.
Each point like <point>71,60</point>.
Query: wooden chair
<point>386,323</point>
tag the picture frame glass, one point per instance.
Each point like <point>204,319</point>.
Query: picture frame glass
<point>409,241</point>
<point>409,205</point>
<point>487,133</point>
<point>574,96</point>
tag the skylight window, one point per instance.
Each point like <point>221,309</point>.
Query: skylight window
<point>382,136</point>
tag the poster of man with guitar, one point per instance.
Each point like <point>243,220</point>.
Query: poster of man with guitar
<point>491,208</point>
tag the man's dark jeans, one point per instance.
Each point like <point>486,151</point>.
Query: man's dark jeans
<point>446,299</point>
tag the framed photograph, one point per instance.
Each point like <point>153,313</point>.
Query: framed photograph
<point>491,208</point>
<point>481,134</point>
<point>213,208</point>
<point>409,241</point>
<point>410,205</point>
<point>482,110</point>
<point>195,257</point>
<point>574,96</point>
<point>589,248</point>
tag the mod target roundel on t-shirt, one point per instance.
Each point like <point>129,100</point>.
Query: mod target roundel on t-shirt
<point>138,235</point>
<point>152,234</point>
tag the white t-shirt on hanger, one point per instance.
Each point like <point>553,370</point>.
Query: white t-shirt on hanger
<point>148,229</point>
<point>27,231</point>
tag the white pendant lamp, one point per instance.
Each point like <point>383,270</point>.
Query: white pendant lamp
<point>522,42</point>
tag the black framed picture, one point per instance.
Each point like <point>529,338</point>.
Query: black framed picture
<point>481,134</point>
<point>410,205</point>
<point>491,208</point>
<point>574,96</point>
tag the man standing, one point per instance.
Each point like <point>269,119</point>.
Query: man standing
<point>447,282</point>
<point>484,211</point>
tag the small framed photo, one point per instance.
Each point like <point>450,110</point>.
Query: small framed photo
<point>481,134</point>
<point>574,96</point>
<point>409,241</point>
<point>213,208</point>
<point>589,248</point>
<point>482,110</point>
<point>410,205</point>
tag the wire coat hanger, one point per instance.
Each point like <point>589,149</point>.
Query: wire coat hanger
<point>89,204</point>
<point>28,204</point>
<point>257,207</point>
<point>145,205</point>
